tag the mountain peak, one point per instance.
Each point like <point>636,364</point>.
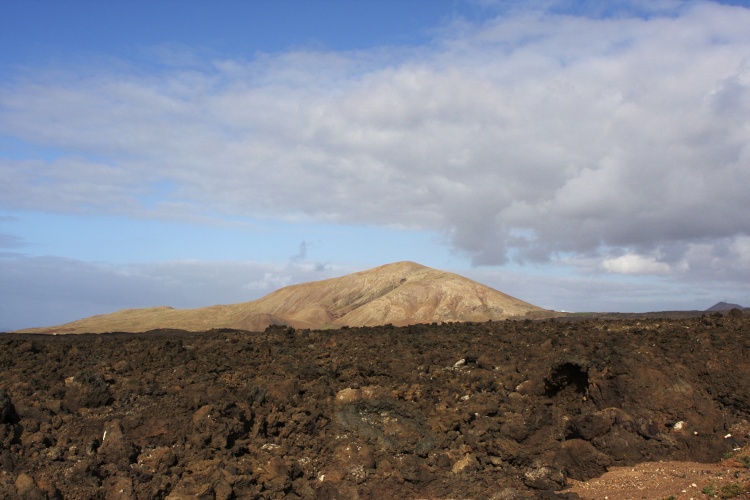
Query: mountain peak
<point>404,264</point>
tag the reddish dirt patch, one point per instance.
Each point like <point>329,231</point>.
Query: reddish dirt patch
<point>484,410</point>
<point>660,480</point>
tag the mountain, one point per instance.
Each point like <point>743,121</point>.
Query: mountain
<point>400,294</point>
<point>724,306</point>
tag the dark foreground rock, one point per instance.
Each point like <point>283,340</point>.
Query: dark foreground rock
<point>485,410</point>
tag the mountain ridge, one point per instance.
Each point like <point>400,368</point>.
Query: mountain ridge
<point>400,293</point>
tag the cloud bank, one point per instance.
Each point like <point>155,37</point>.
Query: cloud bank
<point>619,144</point>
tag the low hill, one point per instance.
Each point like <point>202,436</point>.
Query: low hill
<point>402,293</point>
<point>724,306</point>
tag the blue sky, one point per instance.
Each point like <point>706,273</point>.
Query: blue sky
<point>191,153</point>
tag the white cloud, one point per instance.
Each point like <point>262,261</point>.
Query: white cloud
<point>532,136</point>
<point>635,264</point>
<point>269,281</point>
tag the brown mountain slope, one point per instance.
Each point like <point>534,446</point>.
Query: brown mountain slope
<point>401,294</point>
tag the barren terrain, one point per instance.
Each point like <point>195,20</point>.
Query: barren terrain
<point>402,293</point>
<point>501,409</point>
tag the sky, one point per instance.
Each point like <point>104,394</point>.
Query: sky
<point>579,155</point>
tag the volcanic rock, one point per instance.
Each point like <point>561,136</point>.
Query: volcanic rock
<point>370,412</point>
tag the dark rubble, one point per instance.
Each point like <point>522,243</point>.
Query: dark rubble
<point>509,409</point>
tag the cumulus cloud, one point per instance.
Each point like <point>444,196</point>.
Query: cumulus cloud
<point>635,264</point>
<point>532,136</point>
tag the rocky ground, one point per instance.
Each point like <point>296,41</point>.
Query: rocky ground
<point>509,409</point>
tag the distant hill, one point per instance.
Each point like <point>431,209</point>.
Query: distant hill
<point>402,293</point>
<point>724,306</point>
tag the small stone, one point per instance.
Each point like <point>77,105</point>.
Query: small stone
<point>55,453</point>
<point>119,488</point>
<point>122,366</point>
<point>115,446</point>
<point>545,478</point>
<point>348,395</point>
<point>26,487</point>
<point>465,464</point>
<point>158,460</point>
